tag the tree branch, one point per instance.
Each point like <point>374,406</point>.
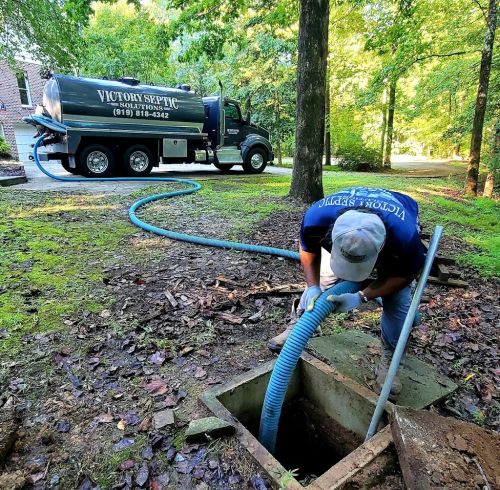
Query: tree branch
<point>481,8</point>
<point>445,55</point>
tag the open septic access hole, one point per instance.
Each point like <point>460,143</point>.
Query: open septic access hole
<point>322,427</point>
<point>309,441</point>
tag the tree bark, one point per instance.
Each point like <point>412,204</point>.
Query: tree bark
<point>390,123</point>
<point>328,141</point>
<point>307,184</point>
<point>490,178</point>
<point>481,100</point>
<point>384,123</point>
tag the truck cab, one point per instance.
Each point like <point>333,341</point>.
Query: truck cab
<point>238,142</point>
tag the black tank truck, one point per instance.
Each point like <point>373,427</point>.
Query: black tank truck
<point>100,128</point>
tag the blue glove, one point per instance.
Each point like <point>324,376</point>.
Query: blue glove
<point>309,296</point>
<point>345,302</point>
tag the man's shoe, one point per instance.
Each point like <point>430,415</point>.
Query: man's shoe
<point>381,373</point>
<point>277,343</point>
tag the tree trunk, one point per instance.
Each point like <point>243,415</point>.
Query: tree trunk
<point>490,178</point>
<point>384,123</point>
<point>456,152</point>
<point>489,184</point>
<point>307,184</point>
<point>279,153</point>
<point>328,141</point>
<point>481,100</point>
<point>390,123</point>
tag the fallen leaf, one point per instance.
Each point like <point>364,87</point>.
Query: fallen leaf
<point>88,484</point>
<point>121,424</point>
<point>145,425</point>
<point>36,477</point>
<point>123,444</point>
<point>157,358</point>
<point>147,453</point>
<point>200,373</point>
<point>131,418</point>
<point>63,426</point>
<point>126,465</point>
<point>156,387</point>
<point>105,314</point>
<point>142,475</point>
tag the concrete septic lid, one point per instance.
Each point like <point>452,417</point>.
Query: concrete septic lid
<point>355,354</point>
<point>326,387</point>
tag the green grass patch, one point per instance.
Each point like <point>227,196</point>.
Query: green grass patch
<point>53,251</point>
<point>55,246</point>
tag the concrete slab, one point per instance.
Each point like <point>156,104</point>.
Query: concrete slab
<point>442,452</point>
<point>14,180</point>
<point>354,354</point>
<point>37,181</point>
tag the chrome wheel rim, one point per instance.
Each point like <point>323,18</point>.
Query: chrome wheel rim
<point>257,160</point>
<point>97,162</point>
<point>139,161</point>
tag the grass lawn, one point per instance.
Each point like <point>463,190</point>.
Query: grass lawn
<point>54,246</point>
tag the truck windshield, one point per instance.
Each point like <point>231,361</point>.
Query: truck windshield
<point>232,112</point>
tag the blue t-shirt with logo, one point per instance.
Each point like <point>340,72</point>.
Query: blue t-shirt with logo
<point>403,253</point>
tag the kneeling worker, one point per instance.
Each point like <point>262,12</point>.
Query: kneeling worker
<point>349,236</point>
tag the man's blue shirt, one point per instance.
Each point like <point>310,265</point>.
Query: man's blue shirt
<point>403,253</point>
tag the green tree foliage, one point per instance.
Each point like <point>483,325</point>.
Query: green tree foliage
<point>122,40</point>
<point>44,29</point>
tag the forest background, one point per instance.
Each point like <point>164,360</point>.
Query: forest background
<point>402,76</point>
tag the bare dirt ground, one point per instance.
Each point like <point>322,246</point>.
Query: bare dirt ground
<point>193,318</point>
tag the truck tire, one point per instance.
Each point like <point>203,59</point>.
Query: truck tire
<point>255,161</point>
<point>223,168</point>
<point>96,160</point>
<point>65,166</point>
<point>138,161</point>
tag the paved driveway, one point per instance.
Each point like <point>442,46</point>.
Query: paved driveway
<point>37,181</point>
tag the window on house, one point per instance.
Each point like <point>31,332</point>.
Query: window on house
<point>24,89</point>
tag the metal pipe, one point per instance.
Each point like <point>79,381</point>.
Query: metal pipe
<point>405,333</point>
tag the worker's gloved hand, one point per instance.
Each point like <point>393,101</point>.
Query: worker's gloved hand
<point>345,302</point>
<point>309,296</point>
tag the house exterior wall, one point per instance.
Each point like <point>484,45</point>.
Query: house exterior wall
<point>10,98</point>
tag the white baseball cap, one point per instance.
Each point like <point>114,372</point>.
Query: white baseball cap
<point>357,239</point>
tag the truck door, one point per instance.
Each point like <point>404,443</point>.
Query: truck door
<point>234,124</point>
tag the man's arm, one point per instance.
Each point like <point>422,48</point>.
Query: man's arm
<point>311,264</point>
<point>386,286</point>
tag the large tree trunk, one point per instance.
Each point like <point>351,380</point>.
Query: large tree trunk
<point>384,123</point>
<point>311,70</point>
<point>490,178</point>
<point>328,141</point>
<point>481,100</point>
<point>390,123</point>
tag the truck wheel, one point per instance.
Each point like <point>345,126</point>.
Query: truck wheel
<point>223,168</point>
<point>65,166</point>
<point>96,161</point>
<point>255,161</point>
<point>138,161</point>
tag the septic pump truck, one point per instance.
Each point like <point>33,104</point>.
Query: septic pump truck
<point>100,128</point>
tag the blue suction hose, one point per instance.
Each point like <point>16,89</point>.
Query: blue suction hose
<point>303,330</point>
<point>211,242</point>
<point>288,358</point>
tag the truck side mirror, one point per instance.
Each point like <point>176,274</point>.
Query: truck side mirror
<point>248,117</point>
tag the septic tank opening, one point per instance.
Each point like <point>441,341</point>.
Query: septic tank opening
<point>310,441</point>
<point>322,425</point>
